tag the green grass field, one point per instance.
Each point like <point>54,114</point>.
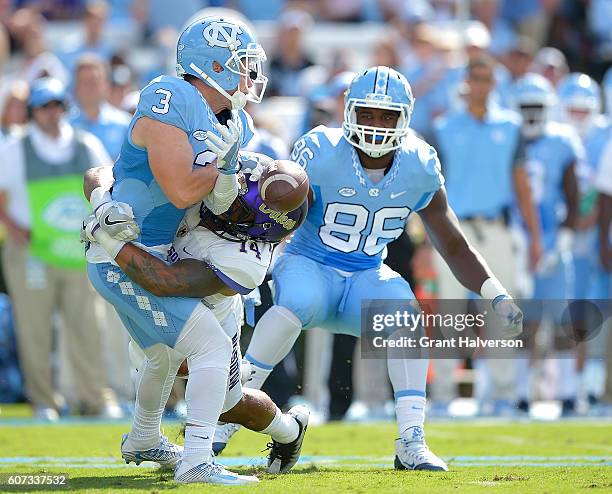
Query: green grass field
<point>357,458</point>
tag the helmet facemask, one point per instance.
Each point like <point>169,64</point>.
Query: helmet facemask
<point>535,116</point>
<point>248,63</point>
<point>376,141</point>
<point>581,113</point>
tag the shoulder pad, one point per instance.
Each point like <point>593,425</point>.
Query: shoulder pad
<point>170,100</point>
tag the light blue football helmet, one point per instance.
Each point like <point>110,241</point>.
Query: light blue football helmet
<point>230,43</point>
<point>580,101</point>
<point>534,97</point>
<point>384,88</point>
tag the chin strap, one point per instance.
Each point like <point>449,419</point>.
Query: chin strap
<point>238,99</point>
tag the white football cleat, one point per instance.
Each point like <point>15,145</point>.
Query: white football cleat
<point>210,473</point>
<point>412,453</point>
<point>165,453</point>
<point>283,457</point>
<point>223,433</point>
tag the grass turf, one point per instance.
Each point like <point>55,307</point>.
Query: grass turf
<point>366,467</point>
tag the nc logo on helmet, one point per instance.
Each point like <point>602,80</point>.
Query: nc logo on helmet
<point>222,34</point>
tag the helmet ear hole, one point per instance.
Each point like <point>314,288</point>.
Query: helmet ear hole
<point>217,67</point>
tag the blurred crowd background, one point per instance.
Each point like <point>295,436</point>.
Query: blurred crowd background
<point>104,52</point>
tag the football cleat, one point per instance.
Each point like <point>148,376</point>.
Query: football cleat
<point>412,453</point>
<point>211,473</point>
<point>283,457</point>
<point>165,453</point>
<point>223,433</point>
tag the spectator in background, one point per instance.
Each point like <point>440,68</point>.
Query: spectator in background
<point>519,59</point>
<point>476,43</point>
<point>94,22</point>
<point>42,207</point>
<point>385,52</point>
<point>551,63</point>
<point>162,13</point>
<point>5,46</point>
<point>599,18</point>
<point>290,59</point>
<point>121,84</point>
<point>13,114</point>
<point>530,17</point>
<point>27,26</point>
<point>340,10</point>
<point>261,10</point>
<point>482,156</point>
<point>503,37</point>
<point>92,111</point>
<point>425,73</point>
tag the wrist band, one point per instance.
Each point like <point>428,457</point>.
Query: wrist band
<point>492,288</point>
<point>109,244</point>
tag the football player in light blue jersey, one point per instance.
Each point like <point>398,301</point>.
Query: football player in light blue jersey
<point>580,101</point>
<point>552,152</point>
<point>181,148</point>
<point>366,179</point>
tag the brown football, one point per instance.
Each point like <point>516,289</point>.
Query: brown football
<point>283,185</point>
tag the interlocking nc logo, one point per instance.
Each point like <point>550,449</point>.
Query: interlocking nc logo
<point>222,34</point>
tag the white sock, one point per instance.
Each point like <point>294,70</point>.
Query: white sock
<point>568,382</point>
<point>408,378</point>
<point>198,443</point>
<point>594,377</point>
<point>410,412</point>
<point>283,428</point>
<point>209,351</point>
<point>146,427</point>
<point>523,375</point>
<point>258,377</point>
<point>273,338</point>
<point>154,386</point>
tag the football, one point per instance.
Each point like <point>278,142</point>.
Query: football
<point>283,185</point>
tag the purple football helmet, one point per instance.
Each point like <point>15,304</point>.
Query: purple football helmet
<point>249,218</point>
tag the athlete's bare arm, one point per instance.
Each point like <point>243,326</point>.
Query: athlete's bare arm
<point>184,278</point>
<point>443,229</point>
<point>570,189</point>
<point>171,161</point>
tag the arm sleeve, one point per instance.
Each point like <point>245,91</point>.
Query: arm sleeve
<point>223,194</point>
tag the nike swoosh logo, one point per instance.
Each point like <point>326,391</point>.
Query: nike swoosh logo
<point>188,253</point>
<point>201,437</point>
<point>111,223</point>
<point>394,195</point>
<point>416,408</point>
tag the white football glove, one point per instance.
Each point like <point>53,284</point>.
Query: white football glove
<point>91,231</point>
<point>117,219</point>
<point>225,147</point>
<point>258,171</point>
<point>510,314</point>
<point>89,223</point>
